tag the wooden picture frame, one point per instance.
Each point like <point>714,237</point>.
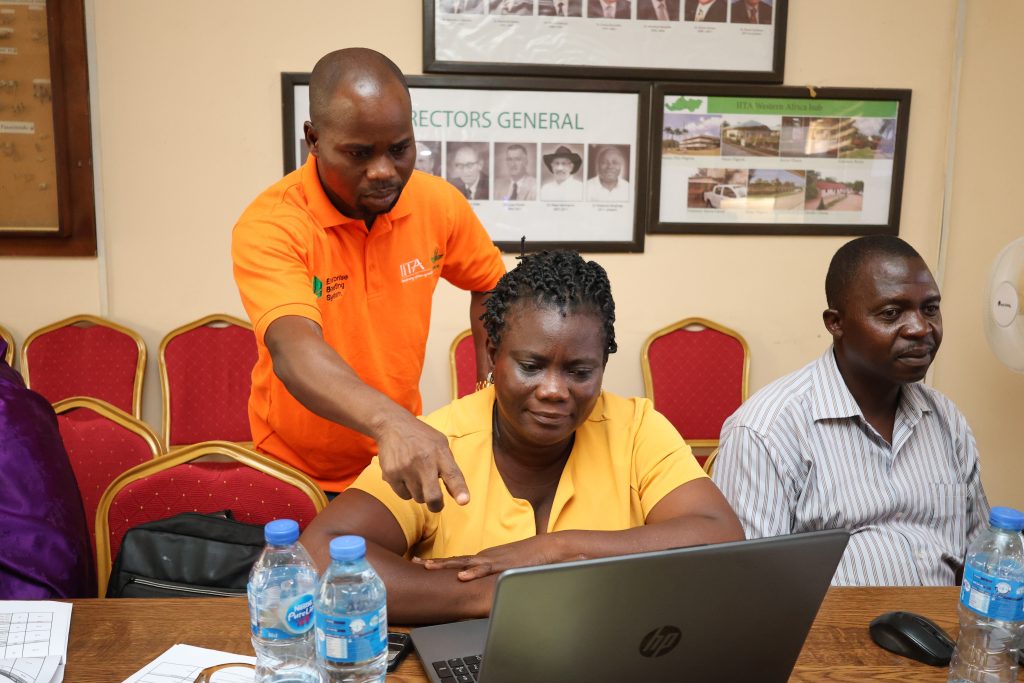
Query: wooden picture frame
<point>578,149</point>
<point>765,160</point>
<point>521,37</point>
<point>70,145</point>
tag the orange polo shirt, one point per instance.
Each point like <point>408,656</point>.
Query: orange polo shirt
<point>370,291</point>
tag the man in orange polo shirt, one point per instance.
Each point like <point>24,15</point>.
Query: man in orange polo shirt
<point>337,265</point>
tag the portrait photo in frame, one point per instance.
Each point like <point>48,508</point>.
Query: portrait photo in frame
<point>562,163</point>
<point>702,40</point>
<point>766,160</point>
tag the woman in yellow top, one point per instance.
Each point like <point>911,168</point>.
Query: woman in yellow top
<point>557,469</point>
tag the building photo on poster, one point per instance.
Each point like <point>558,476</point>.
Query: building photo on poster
<point>788,163</point>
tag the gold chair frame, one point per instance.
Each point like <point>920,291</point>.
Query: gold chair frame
<point>165,386</point>
<point>451,360</point>
<point>140,363</point>
<point>9,338</point>
<point>645,365</point>
<point>710,461</point>
<point>114,414</point>
<point>209,450</point>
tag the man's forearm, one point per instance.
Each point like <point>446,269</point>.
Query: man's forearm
<point>323,382</point>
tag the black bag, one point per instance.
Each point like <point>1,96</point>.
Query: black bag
<point>191,555</point>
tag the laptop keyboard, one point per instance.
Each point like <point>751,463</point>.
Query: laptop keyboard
<point>459,670</point>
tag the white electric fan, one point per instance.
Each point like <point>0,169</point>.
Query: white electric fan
<point>1004,315</point>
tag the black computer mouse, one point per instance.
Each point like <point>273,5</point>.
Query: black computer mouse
<point>912,635</point>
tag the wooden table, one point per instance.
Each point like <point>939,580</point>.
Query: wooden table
<point>112,639</point>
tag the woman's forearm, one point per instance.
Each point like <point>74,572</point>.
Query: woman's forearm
<point>419,596</point>
<point>674,533</point>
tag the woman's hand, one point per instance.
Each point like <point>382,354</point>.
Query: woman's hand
<point>542,549</point>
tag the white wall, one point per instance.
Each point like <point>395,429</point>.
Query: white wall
<point>188,119</point>
<point>984,217</point>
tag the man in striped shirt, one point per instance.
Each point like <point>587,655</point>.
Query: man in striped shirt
<point>854,441</point>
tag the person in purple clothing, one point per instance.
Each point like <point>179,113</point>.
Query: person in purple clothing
<point>44,541</point>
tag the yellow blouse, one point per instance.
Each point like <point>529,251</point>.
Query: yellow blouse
<point>625,459</point>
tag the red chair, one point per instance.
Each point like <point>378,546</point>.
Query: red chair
<point>205,377</point>
<point>102,442</point>
<point>463,362</point>
<point>695,371</point>
<point>206,477</point>
<point>86,356</point>
<point>9,354</point>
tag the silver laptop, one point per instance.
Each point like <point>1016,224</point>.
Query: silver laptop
<point>728,612</point>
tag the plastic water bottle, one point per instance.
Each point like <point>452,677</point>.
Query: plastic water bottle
<point>351,616</point>
<point>281,591</point>
<point>991,603</point>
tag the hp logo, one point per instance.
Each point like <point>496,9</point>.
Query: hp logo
<point>660,641</point>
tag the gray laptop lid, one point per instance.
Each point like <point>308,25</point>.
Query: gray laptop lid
<point>722,612</point>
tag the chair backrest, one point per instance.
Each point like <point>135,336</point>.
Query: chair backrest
<point>86,356</point>
<point>254,487</point>
<point>9,338</point>
<point>463,362</point>
<point>102,442</point>
<point>709,461</point>
<point>695,371</point>
<point>205,377</point>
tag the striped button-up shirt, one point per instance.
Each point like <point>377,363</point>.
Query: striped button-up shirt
<point>799,456</point>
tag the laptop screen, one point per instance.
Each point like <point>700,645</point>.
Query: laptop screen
<point>664,616</point>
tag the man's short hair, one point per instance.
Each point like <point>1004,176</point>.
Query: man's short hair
<point>347,66</point>
<point>516,145</point>
<point>852,255</point>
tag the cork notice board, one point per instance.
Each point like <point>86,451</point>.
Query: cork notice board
<point>46,184</point>
<point>28,181</point>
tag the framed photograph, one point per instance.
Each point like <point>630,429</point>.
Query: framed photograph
<point>562,163</point>
<point>705,40</point>
<point>762,160</point>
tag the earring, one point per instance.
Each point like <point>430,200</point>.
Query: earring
<point>482,384</point>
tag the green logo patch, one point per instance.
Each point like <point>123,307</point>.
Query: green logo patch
<point>683,103</point>
<point>318,287</point>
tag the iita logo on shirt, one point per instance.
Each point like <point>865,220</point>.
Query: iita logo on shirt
<point>415,268</point>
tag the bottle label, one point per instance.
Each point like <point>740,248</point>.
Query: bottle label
<point>351,638</point>
<point>992,596</point>
<point>299,616</point>
<point>290,620</point>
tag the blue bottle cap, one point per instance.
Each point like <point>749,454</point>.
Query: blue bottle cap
<point>1006,518</point>
<point>347,548</point>
<point>281,532</point>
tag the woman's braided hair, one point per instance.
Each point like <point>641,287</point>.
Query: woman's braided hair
<point>560,279</point>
